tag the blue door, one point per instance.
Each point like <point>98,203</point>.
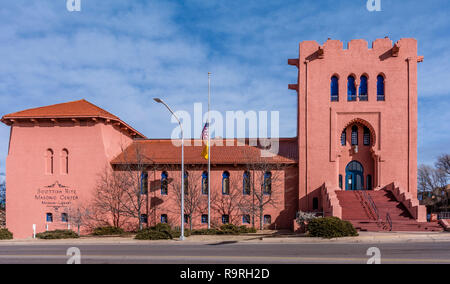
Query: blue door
<point>354,176</point>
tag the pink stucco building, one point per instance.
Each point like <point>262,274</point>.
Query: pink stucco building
<point>354,157</point>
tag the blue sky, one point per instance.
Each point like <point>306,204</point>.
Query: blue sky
<point>120,54</point>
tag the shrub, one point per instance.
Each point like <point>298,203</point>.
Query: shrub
<point>5,234</point>
<point>331,227</point>
<point>108,231</point>
<point>57,234</point>
<point>152,235</point>
<point>205,232</point>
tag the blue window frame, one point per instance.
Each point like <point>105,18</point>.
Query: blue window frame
<point>49,217</point>
<point>380,88</point>
<point>363,89</point>
<point>351,89</point>
<point>267,183</point>
<point>334,89</point>
<point>144,218</point>
<point>205,183</point>
<point>225,219</point>
<point>246,219</point>
<point>354,135</point>
<point>344,138</point>
<point>164,219</point>
<point>144,183</point>
<point>205,219</point>
<point>267,219</point>
<point>246,183</point>
<point>164,183</point>
<point>64,217</point>
<point>226,183</point>
<point>366,137</point>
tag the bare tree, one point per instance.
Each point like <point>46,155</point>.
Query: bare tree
<point>109,196</point>
<point>194,200</point>
<point>443,164</point>
<point>79,216</point>
<point>265,178</point>
<point>433,181</point>
<point>230,201</point>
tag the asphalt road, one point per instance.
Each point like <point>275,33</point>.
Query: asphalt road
<point>227,253</point>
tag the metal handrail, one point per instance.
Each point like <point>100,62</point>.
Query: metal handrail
<point>372,204</point>
<point>389,220</point>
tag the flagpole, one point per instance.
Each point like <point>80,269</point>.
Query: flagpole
<point>209,151</point>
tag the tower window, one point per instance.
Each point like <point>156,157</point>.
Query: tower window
<point>351,89</point>
<point>334,89</point>
<point>65,161</point>
<point>366,137</point>
<point>354,135</point>
<point>49,162</point>
<point>380,88</point>
<point>344,138</point>
<point>363,89</point>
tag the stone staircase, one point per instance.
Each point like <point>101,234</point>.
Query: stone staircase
<point>357,209</point>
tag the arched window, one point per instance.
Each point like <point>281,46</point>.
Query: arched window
<point>267,183</point>
<point>366,137</point>
<point>226,183</point>
<point>344,138</point>
<point>351,89</point>
<point>246,183</point>
<point>144,183</point>
<point>369,182</point>
<point>49,217</point>
<point>354,135</point>
<point>380,88</point>
<point>164,183</point>
<point>65,161</point>
<point>64,217</point>
<point>205,183</point>
<point>186,183</point>
<point>49,162</point>
<point>334,89</point>
<point>363,89</point>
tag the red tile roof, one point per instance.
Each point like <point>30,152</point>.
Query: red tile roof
<point>163,152</point>
<point>75,109</point>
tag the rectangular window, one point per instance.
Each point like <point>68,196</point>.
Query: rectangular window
<point>267,219</point>
<point>225,219</point>
<point>164,219</point>
<point>186,218</point>
<point>144,218</point>
<point>344,138</point>
<point>204,219</point>
<point>246,219</point>
<point>49,217</point>
<point>64,218</point>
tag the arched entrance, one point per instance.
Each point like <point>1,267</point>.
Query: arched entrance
<point>354,176</point>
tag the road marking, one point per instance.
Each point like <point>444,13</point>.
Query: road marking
<point>222,258</point>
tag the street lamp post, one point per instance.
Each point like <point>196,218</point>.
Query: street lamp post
<point>182,165</point>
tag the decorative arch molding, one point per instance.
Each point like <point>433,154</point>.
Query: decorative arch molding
<point>364,123</point>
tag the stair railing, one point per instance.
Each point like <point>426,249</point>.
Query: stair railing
<point>372,205</point>
<point>389,221</point>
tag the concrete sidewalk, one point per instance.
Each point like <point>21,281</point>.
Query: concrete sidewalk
<point>364,237</point>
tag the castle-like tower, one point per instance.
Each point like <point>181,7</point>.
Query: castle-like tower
<point>357,117</point>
